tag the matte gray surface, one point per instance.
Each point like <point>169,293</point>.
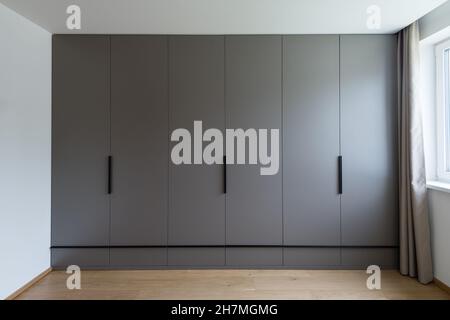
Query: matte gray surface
<point>246,257</point>
<point>196,257</point>
<point>369,146</point>
<point>84,258</point>
<point>197,202</point>
<point>316,257</point>
<point>364,257</point>
<point>163,83</point>
<point>138,257</point>
<point>139,140</point>
<point>80,140</point>
<point>253,100</point>
<point>311,140</point>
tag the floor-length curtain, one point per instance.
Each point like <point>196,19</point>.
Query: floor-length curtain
<point>415,248</point>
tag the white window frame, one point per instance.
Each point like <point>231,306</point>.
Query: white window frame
<point>442,114</point>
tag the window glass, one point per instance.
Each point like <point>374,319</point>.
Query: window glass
<point>446,88</point>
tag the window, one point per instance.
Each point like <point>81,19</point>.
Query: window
<point>443,110</point>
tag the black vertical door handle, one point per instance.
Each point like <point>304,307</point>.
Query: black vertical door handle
<point>340,174</point>
<point>109,174</point>
<point>224,174</point>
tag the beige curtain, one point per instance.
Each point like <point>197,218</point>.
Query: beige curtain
<point>415,248</point>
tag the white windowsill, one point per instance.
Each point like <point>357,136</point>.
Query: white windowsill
<point>439,185</point>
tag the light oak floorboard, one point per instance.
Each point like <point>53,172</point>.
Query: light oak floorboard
<point>231,284</point>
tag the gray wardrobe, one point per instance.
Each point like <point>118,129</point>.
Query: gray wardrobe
<point>118,201</point>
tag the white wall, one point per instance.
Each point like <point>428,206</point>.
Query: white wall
<point>435,21</point>
<point>440,236</point>
<point>434,29</point>
<point>223,16</point>
<point>25,150</point>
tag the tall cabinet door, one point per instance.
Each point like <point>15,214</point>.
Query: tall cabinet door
<point>311,140</point>
<point>197,200</point>
<point>253,100</point>
<point>80,141</point>
<point>139,140</point>
<point>368,102</point>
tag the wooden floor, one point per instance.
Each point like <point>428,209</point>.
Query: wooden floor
<point>231,284</point>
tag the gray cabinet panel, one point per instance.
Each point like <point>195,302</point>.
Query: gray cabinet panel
<point>200,257</point>
<point>159,84</point>
<point>253,100</point>
<point>197,201</point>
<point>252,257</point>
<point>368,131</point>
<point>311,140</point>
<point>138,257</point>
<point>139,140</point>
<point>364,257</point>
<point>312,257</point>
<point>80,140</point>
<point>82,257</point>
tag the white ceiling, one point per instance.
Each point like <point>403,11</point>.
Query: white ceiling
<point>222,16</point>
